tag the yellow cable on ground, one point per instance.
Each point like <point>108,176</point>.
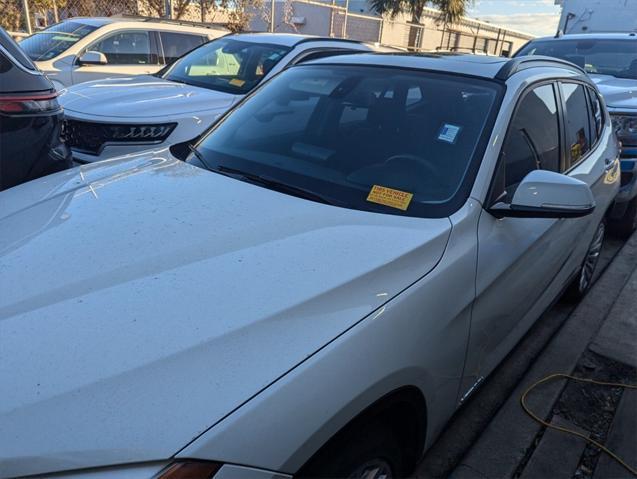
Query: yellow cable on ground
<point>551,377</point>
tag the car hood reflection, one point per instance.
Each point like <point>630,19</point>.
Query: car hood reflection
<point>141,97</point>
<point>144,300</point>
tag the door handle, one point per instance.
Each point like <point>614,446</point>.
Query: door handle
<point>609,163</point>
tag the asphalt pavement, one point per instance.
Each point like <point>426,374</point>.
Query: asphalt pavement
<point>492,437</point>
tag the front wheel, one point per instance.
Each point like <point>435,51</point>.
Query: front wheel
<point>584,279</point>
<point>371,452</point>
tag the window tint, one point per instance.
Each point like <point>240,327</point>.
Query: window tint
<point>51,42</point>
<point>342,132</point>
<point>126,48</point>
<point>577,119</point>
<point>597,119</point>
<point>601,56</point>
<point>227,65</point>
<point>533,138</point>
<point>176,44</point>
<point>15,51</point>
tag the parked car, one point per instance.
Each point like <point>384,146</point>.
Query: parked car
<point>344,257</point>
<point>91,48</point>
<point>115,117</point>
<point>30,120</point>
<point>611,61</point>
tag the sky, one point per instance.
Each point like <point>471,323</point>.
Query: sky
<point>538,17</point>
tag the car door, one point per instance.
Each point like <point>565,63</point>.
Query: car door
<point>127,52</point>
<point>523,263</point>
<point>174,44</point>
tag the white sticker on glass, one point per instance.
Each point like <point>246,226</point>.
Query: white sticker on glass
<point>449,133</point>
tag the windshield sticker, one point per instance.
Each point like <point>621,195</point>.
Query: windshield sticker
<point>390,197</point>
<point>237,82</point>
<point>449,133</point>
<point>64,38</point>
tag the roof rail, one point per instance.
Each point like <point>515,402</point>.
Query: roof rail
<point>189,23</point>
<point>530,61</point>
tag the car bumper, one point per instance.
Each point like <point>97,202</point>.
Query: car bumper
<point>116,151</point>
<point>30,148</point>
<point>628,189</point>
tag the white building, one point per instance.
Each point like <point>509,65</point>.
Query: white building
<point>595,16</point>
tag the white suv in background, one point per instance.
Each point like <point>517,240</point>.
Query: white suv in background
<point>83,49</point>
<point>109,118</point>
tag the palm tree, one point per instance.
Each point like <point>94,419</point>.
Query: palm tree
<point>450,11</point>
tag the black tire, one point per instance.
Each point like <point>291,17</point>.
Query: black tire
<point>356,453</point>
<point>627,224</point>
<point>583,281</point>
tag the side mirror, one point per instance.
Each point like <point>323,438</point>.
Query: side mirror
<point>92,58</point>
<point>545,194</point>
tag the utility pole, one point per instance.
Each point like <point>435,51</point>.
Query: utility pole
<point>168,9</point>
<point>345,19</point>
<point>55,11</point>
<point>27,14</point>
<point>272,15</point>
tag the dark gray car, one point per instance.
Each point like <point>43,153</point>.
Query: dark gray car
<point>30,119</point>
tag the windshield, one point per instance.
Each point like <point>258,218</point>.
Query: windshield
<point>370,138</point>
<point>228,65</point>
<point>49,43</point>
<point>604,57</point>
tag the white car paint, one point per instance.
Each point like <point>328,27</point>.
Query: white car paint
<point>148,291</point>
<point>146,359</point>
<point>63,70</point>
<point>142,100</point>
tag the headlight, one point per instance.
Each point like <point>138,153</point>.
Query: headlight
<point>626,128</point>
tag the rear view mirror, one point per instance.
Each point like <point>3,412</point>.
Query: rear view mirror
<point>545,194</point>
<point>92,58</point>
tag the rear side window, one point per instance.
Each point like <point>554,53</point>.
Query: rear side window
<point>578,141</point>
<point>15,79</point>
<point>533,139</point>
<point>597,115</point>
<point>127,48</point>
<point>15,51</point>
<point>177,44</point>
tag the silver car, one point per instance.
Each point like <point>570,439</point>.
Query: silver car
<point>340,262</point>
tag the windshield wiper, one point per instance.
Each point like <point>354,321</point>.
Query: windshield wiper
<point>269,183</point>
<point>275,185</point>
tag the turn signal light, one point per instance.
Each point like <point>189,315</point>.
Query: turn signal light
<point>190,470</point>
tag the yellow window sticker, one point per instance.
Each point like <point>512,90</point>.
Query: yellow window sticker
<point>237,82</point>
<point>390,197</point>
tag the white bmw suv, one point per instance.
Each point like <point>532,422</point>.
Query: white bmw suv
<point>84,49</point>
<point>337,266</point>
<point>115,117</point>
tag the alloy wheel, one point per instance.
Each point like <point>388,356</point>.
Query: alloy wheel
<point>592,257</point>
<point>374,469</point>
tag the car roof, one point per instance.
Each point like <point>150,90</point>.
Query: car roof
<point>474,65</point>
<point>149,23</point>
<point>287,39</point>
<point>93,21</point>
<point>591,36</point>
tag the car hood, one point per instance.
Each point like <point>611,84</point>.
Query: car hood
<point>141,97</point>
<point>144,300</point>
<point>619,93</point>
